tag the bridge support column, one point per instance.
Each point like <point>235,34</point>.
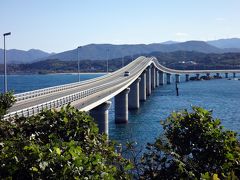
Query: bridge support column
<point>197,76</point>
<point>234,75</point>
<point>153,77</point>
<point>157,78</point>
<point>100,115</point>
<point>133,96</point>
<point>226,75</point>
<point>177,78</point>
<point>143,93</point>
<point>121,106</point>
<point>161,78</point>
<point>168,78</point>
<point>187,77</point>
<point>148,76</point>
<point>218,75</point>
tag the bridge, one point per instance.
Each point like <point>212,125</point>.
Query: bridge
<point>145,74</point>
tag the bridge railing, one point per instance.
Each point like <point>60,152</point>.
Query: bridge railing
<point>174,71</point>
<point>40,92</point>
<point>58,102</point>
<point>63,100</point>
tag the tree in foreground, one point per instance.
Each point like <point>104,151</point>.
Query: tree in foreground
<point>6,101</point>
<point>194,146</point>
<point>61,144</point>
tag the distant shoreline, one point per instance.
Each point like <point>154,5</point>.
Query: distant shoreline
<point>55,73</point>
<point>81,73</point>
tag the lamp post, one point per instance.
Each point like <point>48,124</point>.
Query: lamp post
<point>5,62</point>
<point>107,58</point>
<point>122,61</point>
<point>122,58</point>
<point>78,64</point>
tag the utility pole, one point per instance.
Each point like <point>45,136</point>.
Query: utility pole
<point>78,63</point>
<point>5,62</point>
<point>107,58</point>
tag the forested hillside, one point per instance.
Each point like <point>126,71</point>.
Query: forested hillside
<point>177,60</point>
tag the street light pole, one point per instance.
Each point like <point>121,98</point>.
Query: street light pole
<point>78,64</point>
<point>122,61</point>
<point>107,58</point>
<point>5,62</point>
<point>122,58</point>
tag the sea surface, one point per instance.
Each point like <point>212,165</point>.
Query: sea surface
<point>222,96</point>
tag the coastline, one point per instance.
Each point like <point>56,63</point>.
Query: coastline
<point>81,73</point>
<point>84,73</point>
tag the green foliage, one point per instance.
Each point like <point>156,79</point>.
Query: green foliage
<point>66,144</point>
<point>194,144</point>
<point>6,101</point>
<point>58,145</point>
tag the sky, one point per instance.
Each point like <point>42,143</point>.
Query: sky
<point>61,25</point>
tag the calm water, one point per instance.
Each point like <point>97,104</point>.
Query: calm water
<point>23,83</point>
<point>221,96</point>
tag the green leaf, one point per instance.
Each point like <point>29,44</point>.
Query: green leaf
<point>230,156</point>
<point>58,151</point>
<point>35,169</point>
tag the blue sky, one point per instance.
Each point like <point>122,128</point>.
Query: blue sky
<point>60,25</point>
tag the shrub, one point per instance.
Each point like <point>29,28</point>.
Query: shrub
<point>61,144</point>
<point>195,146</point>
<point>6,101</point>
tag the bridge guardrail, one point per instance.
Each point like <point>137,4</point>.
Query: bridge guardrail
<point>60,101</point>
<point>82,94</point>
<point>57,102</point>
<point>174,71</point>
<point>35,93</point>
<point>39,92</point>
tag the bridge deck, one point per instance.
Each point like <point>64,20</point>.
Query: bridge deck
<point>89,94</point>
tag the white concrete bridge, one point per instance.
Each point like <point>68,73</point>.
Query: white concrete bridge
<point>94,95</point>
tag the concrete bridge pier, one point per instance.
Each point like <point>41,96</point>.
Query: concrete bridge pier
<point>143,92</point>
<point>153,77</point>
<point>187,77</point>
<point>157,78</point>
<point>234,75</point>
<point>197,76</point>
<point>226,75</point>
<point>100,115</point>
<point>133,96</point>
<point>218,75</point>
<point>177,78</point>
<point>121,106</point>
<point>168,78</point>
<point>161,78</point>
<point>148,76</point>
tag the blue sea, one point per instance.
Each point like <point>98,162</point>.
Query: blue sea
<point>222,96</point>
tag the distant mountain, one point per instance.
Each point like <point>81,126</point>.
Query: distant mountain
<point>104,51</point>
<point>233,43</point>
<point>15,56</point>
<point>110,51</point>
